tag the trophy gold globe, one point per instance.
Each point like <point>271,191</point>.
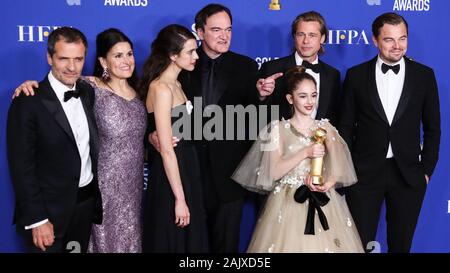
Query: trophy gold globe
<point>320,135</point>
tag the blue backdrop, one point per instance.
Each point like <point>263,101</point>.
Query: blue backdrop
<point>257,32</point>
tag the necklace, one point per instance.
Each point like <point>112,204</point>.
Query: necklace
<point>302,133</point>
<point>302,128</point>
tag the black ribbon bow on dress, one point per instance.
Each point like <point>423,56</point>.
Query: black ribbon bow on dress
<point>71,94</point>
<point>385,68</point>
<point>316,200</point>
<point>314,67</point>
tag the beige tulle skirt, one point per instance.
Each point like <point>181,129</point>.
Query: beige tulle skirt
<point>281,225</point>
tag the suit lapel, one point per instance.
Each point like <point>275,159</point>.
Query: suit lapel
<point>281,86</point>
<point>51,102</point>
<point>290,62</point>
<point>373,91</point>
<point>195,84</point>
<point>324,92</point>
<point>406,92</point>
<point>87,106</point>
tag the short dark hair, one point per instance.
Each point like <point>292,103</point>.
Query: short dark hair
<point>207,11</point>
<point>390,18</point>
<point>311,16</point>
<point>68,34</point>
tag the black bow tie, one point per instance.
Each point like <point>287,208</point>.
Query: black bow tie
<point>71,94</point>
<point>314,67</point>
<point>385,68</point>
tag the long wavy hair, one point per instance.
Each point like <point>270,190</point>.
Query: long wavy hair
<point>169,42</point>
<point>104,42</point>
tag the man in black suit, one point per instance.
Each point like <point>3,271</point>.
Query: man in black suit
<point>386,102</point>
<point>222,78</point>
<point>309,32</point>
<point>52,151</point>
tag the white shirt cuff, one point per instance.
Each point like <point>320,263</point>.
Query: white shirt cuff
<point>37,224</point>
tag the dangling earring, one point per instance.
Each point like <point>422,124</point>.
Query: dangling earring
<point>105,74</point>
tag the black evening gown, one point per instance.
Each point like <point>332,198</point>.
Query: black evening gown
<point>161,234</point>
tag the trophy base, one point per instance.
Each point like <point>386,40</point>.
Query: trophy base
<point>317,180</point>
<point>274,6</point>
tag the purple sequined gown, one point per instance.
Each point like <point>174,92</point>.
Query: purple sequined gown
<point>121,127</point>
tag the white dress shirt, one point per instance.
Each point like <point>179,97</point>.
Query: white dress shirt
<point>390,86</point>
<point>316,76</point>
<point>76,116</point>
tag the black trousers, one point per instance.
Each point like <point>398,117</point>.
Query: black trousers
<point>223,218</point>
<point>224,222</point>
<point>403,204</point>
<point>76,238</point>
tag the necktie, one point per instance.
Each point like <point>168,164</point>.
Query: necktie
<point>385,68</point>
<point>71,94</point>
<point>314,67</point>
<point>208,84</point>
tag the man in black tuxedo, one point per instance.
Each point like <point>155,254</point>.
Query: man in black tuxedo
<point>309,32</point>
<point>221,77</point>
<point>386,101</point>
<point>52,151</point>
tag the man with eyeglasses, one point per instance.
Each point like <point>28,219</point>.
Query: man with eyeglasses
<point>309,32</point>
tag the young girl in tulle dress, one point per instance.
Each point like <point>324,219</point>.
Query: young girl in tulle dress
<point>299,216</point>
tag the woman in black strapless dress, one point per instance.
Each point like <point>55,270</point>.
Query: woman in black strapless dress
<point>174,214</point>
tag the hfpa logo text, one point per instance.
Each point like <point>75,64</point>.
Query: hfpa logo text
<point>347,36</point>
<point>34,33</point>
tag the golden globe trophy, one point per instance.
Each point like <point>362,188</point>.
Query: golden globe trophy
<point>317,163</point>
<point>274,5</point>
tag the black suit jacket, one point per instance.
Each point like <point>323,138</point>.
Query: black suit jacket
<point>365,127</point>
<point>43,157</point>
<point>330,83</point>
<point>236,82</point>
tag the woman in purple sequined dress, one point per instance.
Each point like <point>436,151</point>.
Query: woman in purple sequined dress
<point>121,122</point>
